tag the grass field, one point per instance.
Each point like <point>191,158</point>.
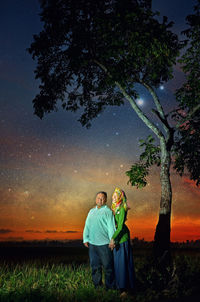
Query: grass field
<point>63,274</point>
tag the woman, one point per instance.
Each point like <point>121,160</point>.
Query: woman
<point>123,256</point>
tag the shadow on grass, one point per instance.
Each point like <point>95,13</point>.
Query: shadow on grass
<point>192,298</point>
<point>86,295</point>
<point>79,295</point>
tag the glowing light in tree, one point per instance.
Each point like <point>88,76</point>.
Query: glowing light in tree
<point>140,102</point>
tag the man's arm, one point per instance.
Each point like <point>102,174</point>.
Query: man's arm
<point>86,233</point>
<point>111,224</point>
<point>111,229</point>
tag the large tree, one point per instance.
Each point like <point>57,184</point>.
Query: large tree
<point>93,54</point>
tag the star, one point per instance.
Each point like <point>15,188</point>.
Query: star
<point>140,102</point>
<point>162,87</point>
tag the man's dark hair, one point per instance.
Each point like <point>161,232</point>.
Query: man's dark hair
<point>102,192</point>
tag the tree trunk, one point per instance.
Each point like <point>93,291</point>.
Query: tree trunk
<point>162,234</point>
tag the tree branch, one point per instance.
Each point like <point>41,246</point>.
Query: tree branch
<point>170,130</point>
<point>160,112</point>
<point>141,115</point>
<point>139,112</point>
<point>155,98</point>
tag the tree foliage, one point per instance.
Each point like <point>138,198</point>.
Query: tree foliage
<point>87,46</point>
<point>140,170</point>
<point>137,175</point>
<point>187,145</point>
<point>151,154</point>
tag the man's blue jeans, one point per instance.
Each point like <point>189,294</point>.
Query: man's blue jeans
<point>101,255</point>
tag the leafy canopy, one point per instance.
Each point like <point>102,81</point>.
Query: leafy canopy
<point>87,46</point>
<point>187,146</point>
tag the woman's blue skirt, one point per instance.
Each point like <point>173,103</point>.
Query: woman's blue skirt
<point>124,266</point>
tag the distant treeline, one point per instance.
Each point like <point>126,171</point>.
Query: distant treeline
<point>136,242</point>
<point>141,243</point>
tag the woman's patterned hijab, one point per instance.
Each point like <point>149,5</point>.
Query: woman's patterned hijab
<point>121,201</point>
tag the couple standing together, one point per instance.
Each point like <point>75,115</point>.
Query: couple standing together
<point>108,239</point>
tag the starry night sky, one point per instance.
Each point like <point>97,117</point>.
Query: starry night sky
<point>52,168</point>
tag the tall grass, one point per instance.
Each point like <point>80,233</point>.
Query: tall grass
<point>36,281</point>
<point>30,282</point>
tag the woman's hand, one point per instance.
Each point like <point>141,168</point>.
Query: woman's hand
<point>112,244</point>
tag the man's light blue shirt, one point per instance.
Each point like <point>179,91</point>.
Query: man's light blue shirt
<point>99,226</point>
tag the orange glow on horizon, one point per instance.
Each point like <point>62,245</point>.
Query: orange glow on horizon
<point>180,231</point>
<point>52,201</point>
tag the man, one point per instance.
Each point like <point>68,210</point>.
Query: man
<point>98,231</point>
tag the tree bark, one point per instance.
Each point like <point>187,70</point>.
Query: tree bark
<point>162,251</point>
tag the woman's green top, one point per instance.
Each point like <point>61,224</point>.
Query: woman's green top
<point>122,233</point>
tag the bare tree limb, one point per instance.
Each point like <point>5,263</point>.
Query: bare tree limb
<point>139,112</point>
<point>160,112</point>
